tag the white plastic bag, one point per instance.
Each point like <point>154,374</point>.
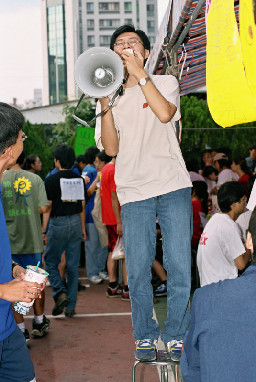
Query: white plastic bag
<point>118,252</point>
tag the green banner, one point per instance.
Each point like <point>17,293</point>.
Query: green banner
<point>84,139</point>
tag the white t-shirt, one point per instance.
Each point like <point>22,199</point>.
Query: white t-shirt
<point>219,245</point>
<point>243,224</point>
<point>149,162</point>
<point>226,175</point>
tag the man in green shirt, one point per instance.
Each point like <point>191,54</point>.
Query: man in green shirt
<point>24,199</point>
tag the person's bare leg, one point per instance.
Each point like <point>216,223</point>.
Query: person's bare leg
<point>18,317</point>
<point>112,267</point>
<point>160,271</point>
<point>39,305</point>
<point>62,265</point>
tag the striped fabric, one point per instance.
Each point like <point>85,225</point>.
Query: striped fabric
<point>192,53</point>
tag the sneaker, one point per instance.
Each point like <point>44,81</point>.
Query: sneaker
<point>174,349</point>
<point>104,276</point>
<point>39,330</point>
<point>70,313</point>
<point>27,338</point>
<point>125,295</point>
<point>145,350</point>
<point>114,292</point>
<point>161,291</point>
<point>61,302</point>
<point>95,279</point>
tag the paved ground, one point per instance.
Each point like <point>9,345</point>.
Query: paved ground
<point>94,346</point>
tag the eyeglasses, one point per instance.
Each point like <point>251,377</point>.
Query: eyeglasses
<point>120,44</point>
<point>23,137</point>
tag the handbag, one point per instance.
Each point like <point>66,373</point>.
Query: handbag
<point>97,218</point>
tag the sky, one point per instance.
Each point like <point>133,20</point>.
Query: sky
<point>21,68</point>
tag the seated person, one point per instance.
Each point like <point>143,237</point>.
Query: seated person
<point>220,344</point>
<point>221,251</point>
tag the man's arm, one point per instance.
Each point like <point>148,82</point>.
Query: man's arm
<point>242,260</point>
<point>45,220</point>
<point>116,209</point>
<point>20,290</point>
<point>109,138</point>
<point>82,217</point>
<point>163,109</point>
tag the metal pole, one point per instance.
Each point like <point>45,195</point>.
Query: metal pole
<point>185,31</point>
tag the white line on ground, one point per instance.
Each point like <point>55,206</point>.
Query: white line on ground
<point>86,315</point>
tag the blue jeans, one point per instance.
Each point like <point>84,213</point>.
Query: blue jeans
<point>174,211</point>
<point>64,234</point>
<point>15,361</point>
<point>95,255</point>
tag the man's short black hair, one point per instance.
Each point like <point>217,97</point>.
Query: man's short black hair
<point>65,155</point>
<point>252,230</point>
<point>104,157</point>
<point>29,161</point>
<point>90,154</point>
<point>21,158</point>
<point>208,170</point>
<point>80,158</point>
<point>11,122</point>
<point>229,193</point>
<point>130,28</point>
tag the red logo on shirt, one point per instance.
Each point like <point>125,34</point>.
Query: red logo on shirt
<point>203,239</point>
<point>145,105</point>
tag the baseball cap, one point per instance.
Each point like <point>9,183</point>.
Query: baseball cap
<point>219,156</point>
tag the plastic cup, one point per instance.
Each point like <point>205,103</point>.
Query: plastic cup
<point>32,275</point>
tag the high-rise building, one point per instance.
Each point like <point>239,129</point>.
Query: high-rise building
<point>72,26</point>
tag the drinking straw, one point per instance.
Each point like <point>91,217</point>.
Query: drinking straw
<point>37,266</point>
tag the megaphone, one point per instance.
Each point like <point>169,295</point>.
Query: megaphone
<point>99,72</point>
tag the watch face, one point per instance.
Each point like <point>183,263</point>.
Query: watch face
<point>143,81</point>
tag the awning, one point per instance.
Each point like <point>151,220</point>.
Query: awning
<point>183,31</point>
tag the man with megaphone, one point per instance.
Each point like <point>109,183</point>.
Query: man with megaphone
<point>152,181</point>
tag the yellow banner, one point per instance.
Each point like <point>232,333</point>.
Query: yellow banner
<point>231,63</point>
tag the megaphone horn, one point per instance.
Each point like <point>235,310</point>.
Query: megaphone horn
<point>99,72</point>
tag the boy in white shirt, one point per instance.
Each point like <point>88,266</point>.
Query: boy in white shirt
<point>221,251</point>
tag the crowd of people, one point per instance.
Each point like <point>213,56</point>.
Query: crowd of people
<point>138,189</point>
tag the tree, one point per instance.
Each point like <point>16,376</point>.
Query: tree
<point>66,131</point>
<point>200,131</point>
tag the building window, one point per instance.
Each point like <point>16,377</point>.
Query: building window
<point>90,40</point>
<point>90,7</point>
<point>127,6</point>
<point>150,10</point>
<point>151,26</point>
<point>152,40</point>
<point>109,24</point>
<point>128,21</point>
<point>105,40</point>
<point>90,25</point>
<point>56,36</point>
<point>110,7</point>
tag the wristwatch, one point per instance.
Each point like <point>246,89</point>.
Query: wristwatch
<point>143,81</point>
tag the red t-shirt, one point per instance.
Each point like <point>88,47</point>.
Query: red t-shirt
<point>197,226</point>
<point>107,186</point>
<point>244,180</point>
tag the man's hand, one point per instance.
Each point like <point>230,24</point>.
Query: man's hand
<point>134,64</point>
<point>119,229</point>
<point>20,290</point>
<point>18,272</point>
<point>84,234</point>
